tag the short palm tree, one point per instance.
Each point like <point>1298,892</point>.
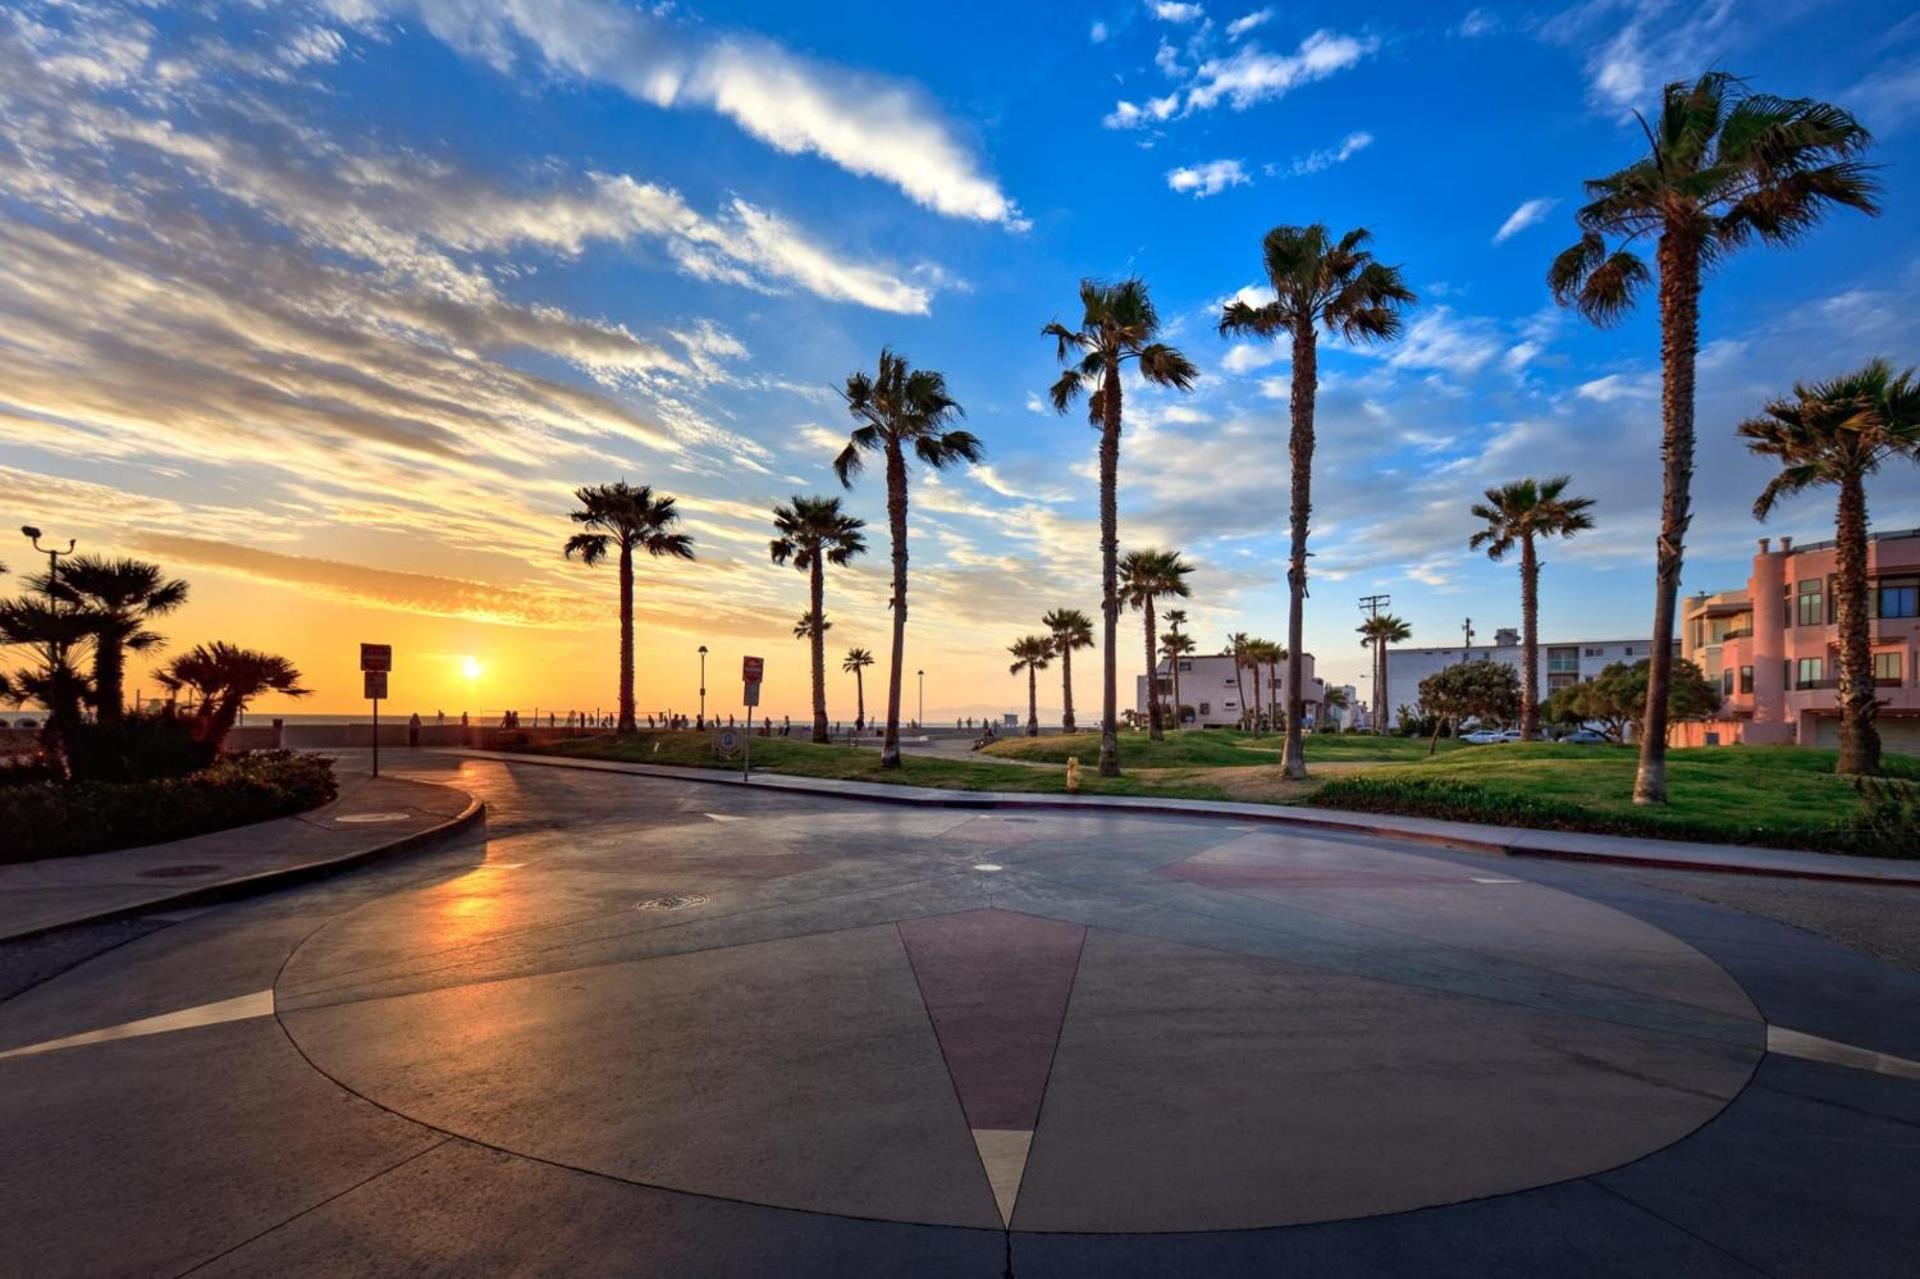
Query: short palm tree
<point>1175,645</point>
<point>1724,168</point>
<point>1070,629</point>
<point>1118,324</point>
<point>1377,632</point>
<point>620,517</point>
<point>1523,512</point>
<point>222,679</point>
<point>1264,653</point>
<point>1237,649</point>
<point>1335,699</point>
<point>1031,654</point>
<point>118,598</point>
<point>1147,576</point>
<point>56,635</point>
<point>900,408</point>
<point>855,663</point>
<point>1317,281</point>
<point>1839,432</point>
<point>815,532</point>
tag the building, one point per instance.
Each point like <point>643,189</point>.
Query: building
<point>1211,686</point>
<point>1774,647</point>
<point>1562,663</point>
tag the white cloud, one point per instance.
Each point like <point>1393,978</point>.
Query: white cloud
<point>1035,404</point>
<point>1125,115</point>
<point>1098,33</point>
<point>1447,343</point>
<point>1479,22</point>
<point>1247,22</point>
<point>1245,357</point>
<point>1211,178</point>
<point>1252,75</point>
<point>1325,157</point>
<point>1628,60</point>
<point>1529,213</point>
<point>1615,387</point>
<point>1174,11</point>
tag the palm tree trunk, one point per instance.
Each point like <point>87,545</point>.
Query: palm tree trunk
<point>1153,682</point>
<point>1529,639</point>
<point>1173,664</point>
<point>1679,259</point>
<point>1033,701</point>
<point>860,692</point>
<point>1293,757</point>
<point>626,640</point>
<point>1859,700</point>
<point>1066,684</point>
<point>1254,708</point>
<point>897,525</point>
<point>1380,686</point>
<point>109,682</point>
<point>819,637</point>
<point>1110,568</point>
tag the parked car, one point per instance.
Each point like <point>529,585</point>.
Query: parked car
<point>1484,737</point>
<point>1585,737</point>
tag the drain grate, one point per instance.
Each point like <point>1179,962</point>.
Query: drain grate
<point>179,872</point>
<point>675,901</point>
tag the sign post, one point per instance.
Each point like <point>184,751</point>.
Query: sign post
<point>751,671</point>
<point>375,661</point>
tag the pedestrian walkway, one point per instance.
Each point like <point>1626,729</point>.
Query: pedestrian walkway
<point>372,817</point>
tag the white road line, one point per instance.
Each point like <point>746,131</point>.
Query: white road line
<point>1478,880</point>
<point>725,817</point>
<point>1793,1043</point>
<point>239,1008</point>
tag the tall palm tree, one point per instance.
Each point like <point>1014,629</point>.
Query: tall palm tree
<point>57,637</point>
<point>899,408</point>
<point>1236,648</point>
<point>1317,281</point>
<point>1070,629</point>
<point>1175,645</point>
<point>815,532</point>
<point>1724,168</point>
<point>223,679</point>
<point>1146,576</point>
<point>1524,511</point>
<point>1031,654</point>
<point>118,598</point>
<point>623,518</point>
<point>1379,631</point>
<point>1839,432</point>
<point>854,663</point>
<point>1118,323</point>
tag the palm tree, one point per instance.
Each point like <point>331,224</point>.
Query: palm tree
<point>1031,655</point>
<point>1146,576</point>
<point>1317,281</point>
<point>900,407</point>
<point>224,679</point>
<point>1524,511</point>
<point>118,598</point>
<point>815,532</point>
<point>1175,645</point>
<point>1266,653</point>
<point>856,661</point>
<point>1838,433</point>
<point>1379,631</point>
<point>1237,649</point>
<point>1070,629</point>
<point>1724,168</point>
<point>1335,698</point>
<point>628,519</point>
<point>1117,323</point>
<point>57,637</point>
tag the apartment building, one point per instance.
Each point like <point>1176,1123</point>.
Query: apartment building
<point>1210,685</point>
<point>1561,663</point>
<point>1774,646</point>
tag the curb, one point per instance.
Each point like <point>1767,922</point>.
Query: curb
<point>268,880</point>
<point>930,797</point>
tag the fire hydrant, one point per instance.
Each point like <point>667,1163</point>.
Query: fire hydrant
<point>1073,774</point>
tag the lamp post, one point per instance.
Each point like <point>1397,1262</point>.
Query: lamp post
<point>32,534</point>
<point>703,683</point>
<point>922,721</point>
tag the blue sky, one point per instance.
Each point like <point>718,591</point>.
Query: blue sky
<point>329,304</point>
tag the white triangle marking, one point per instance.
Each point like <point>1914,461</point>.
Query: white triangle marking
<point>239,1008</point>
<point>1794,1043</point>
<point>725,817</point>
<point>1003,1151</point>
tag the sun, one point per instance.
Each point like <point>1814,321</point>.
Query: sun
<point>470,667</point>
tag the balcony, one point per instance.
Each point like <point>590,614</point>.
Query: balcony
<point>1738,632</point>
<point>1809,685</point>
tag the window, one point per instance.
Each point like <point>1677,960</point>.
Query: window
<point>1726,682</point>
<point>1896,598</point>
<point>1563,661</point>
<point>1596,652</point>
<point>1813,607</point>
<point>1886,668</point>
<point>1746,679</point>
<point>1810,672</point>
<point>1186,666</point>
<point>1206,708</point>
<point>1231,682</point>
<point>1626,650</point>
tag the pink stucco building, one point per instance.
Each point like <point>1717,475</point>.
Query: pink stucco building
<point>1774,647</point>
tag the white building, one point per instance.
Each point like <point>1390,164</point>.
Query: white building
<point>1562,662</point>
<point>1210,685</point>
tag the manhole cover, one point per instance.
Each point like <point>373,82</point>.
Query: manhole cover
<point>177,872</point>
<point>370,818</point>
<point>678,901</point>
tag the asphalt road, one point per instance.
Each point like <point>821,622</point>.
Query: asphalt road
<point>644,1026</point>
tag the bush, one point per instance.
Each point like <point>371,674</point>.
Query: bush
<point>53,820</point>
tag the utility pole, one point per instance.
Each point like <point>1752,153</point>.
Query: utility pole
<point>1466,630</point>
<point>1372,604</point>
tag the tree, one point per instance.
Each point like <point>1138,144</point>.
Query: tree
<point>1724,168</point>
<point>1617,696</point>
<point>1031,654</point>
<point>1379,631</point>
<point>1236,648</point>
<point>1480,689</point>
<point>118,598</point>
<point>1265,652</point>
<point>56,637</point>
<point>619,517</point>
<point>1523,512</point>
<point>223,679</point>
<point>1070,629</point>
<point>900,407</point>
<point>1118,324</point>
<point>1317,282</point>
<point>1839,432</point>
<point>1175,645</point>
<point>1335,699</point>
<point>815,532</point>
<point>856,661</point>
<point>1147,576</point>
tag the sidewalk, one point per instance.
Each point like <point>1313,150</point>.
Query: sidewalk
<point>1732,859</point>
<point>372,817</point>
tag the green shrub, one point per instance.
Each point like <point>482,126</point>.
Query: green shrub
<point>54,820</point>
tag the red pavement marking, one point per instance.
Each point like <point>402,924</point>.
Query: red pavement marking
<point>996,984</point>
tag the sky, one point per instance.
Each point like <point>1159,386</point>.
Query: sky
<point>329,305</point>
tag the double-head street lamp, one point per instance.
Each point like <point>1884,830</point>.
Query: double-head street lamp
<point>703,683</point>
<point>53,555</point>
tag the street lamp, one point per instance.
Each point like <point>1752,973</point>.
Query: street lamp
<point>32,534</point>
<point>703,683</point>
<point>922,721</point>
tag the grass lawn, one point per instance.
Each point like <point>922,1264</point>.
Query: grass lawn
<point>1214,748</point>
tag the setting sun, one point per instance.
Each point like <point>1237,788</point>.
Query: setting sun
<point>470,667</point>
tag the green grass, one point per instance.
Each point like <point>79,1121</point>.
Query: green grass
<point>1213,748</point>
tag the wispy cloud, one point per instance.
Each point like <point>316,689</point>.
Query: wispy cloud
<point>1247,22</point>
<point>1324,158</point>
<point>1211,178</point>
<point>1175,11</point>
<point>1248,76</point>
<point>1528,214</point>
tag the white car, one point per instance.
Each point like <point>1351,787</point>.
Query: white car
<point>1483,737</point>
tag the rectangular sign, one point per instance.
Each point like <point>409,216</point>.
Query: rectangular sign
<point>376,685</point>
<point>752,668</point>
<point>752,697</point>
<point>376,657</point>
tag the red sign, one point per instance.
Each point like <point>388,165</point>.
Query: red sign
<point>751,669</point>
<point>376,657</point>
